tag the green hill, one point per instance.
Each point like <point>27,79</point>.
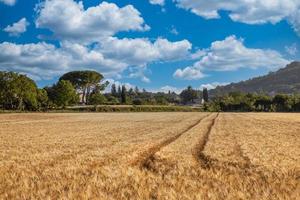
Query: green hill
<point>285,80</point>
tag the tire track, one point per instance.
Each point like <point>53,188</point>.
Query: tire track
<point>148,155</point>
<point>199,148</point>
<point>208,162</point>
<point>242,159</point>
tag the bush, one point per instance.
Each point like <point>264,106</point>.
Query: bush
<point>136,109</point>
<point>112,100</point>
<point>97,99</point>
<point>137,102</point>
<point>63,94</point>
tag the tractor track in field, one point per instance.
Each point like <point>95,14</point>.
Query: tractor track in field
<point>197,152</point>
<point>207,162</point>
<point>148,155</point>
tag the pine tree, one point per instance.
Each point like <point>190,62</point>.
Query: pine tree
<point>124,95</point>
<point>205,94</point>
<point>119,91</point>
<point>114,90</point>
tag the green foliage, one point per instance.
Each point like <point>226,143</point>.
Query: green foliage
<point>112,100</point>
<point>97,99</point>
<point>85,81</point>
<point>161,99</point>
<point>281,102</point>
<point>114,90</point>
<point>17,91</point>
<point>42,98</point>
<point>188,95</point>
<point>136,109</point>
<point>123,95</point>
<point>137,101</point>
<point>263,103</point>
<point>63,94</point>
<point>237,101</point>
<point>205,94</point>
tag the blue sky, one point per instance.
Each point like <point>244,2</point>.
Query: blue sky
<point>154,44</point>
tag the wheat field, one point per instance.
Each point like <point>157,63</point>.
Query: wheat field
<point>150,156</point>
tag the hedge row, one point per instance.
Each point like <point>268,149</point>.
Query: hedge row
<point>136,109</point>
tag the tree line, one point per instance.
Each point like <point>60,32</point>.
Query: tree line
<point>250,102</point>
<point>19,92</point>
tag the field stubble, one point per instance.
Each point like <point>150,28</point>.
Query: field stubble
<point>150,156</point>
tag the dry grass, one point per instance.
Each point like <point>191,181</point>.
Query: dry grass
<point>150,156</point>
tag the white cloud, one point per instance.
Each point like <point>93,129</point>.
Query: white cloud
<point>172,50</point>
<point>139,72</point>
<point>143,51</point>
<point>9,2</point>
<point>292,50</point>
<point>212,85</point>
<point>168,88</point>
<point>174,31</point>
<point>87,41</point>
<point>157,2</point>
<point>229,55</point>
<point>188,73</point>
<point>44,61</point>
<point>117,83</point>
<point>68,20</point>
<point>17,28</point>
<point>247,11</point>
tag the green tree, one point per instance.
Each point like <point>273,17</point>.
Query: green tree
<point>63,94</point>
<point>123,95</point>
<point>263,103</point>
<point>119,92</point>
<point>83,81</point>
<point>114,90</point>
<point>97,99</point>
<point>281,102</point>
<point>188,95</point>
<point>17,91</point>
<point>42,98</point>
<point>136,90</point>
<point>112,100</point>
<point>137,101</point>
<point>205,94</point>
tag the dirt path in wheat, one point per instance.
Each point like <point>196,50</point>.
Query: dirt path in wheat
<point>148,154</point>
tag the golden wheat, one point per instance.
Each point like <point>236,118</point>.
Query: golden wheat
<point>150,156</point>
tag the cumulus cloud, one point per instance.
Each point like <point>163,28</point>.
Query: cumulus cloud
<point>68,20</point>
<point>44,61</point>
<point>9,2</point>
<point>250,12</point>
<point>157,2</point>
<point>174,31</point>
<point>117,83</point>
<point>168,88</point>
<point>292,49</point>
<point>17,28</point>
<point>229,55</point>
<point>212,85</point>
<point>188,73</point>
<point>86,41</point>
<point>143,51</point>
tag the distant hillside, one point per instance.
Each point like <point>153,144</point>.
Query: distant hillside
<point>285,80</point>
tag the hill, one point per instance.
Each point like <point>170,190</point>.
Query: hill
<point>285,80</point>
